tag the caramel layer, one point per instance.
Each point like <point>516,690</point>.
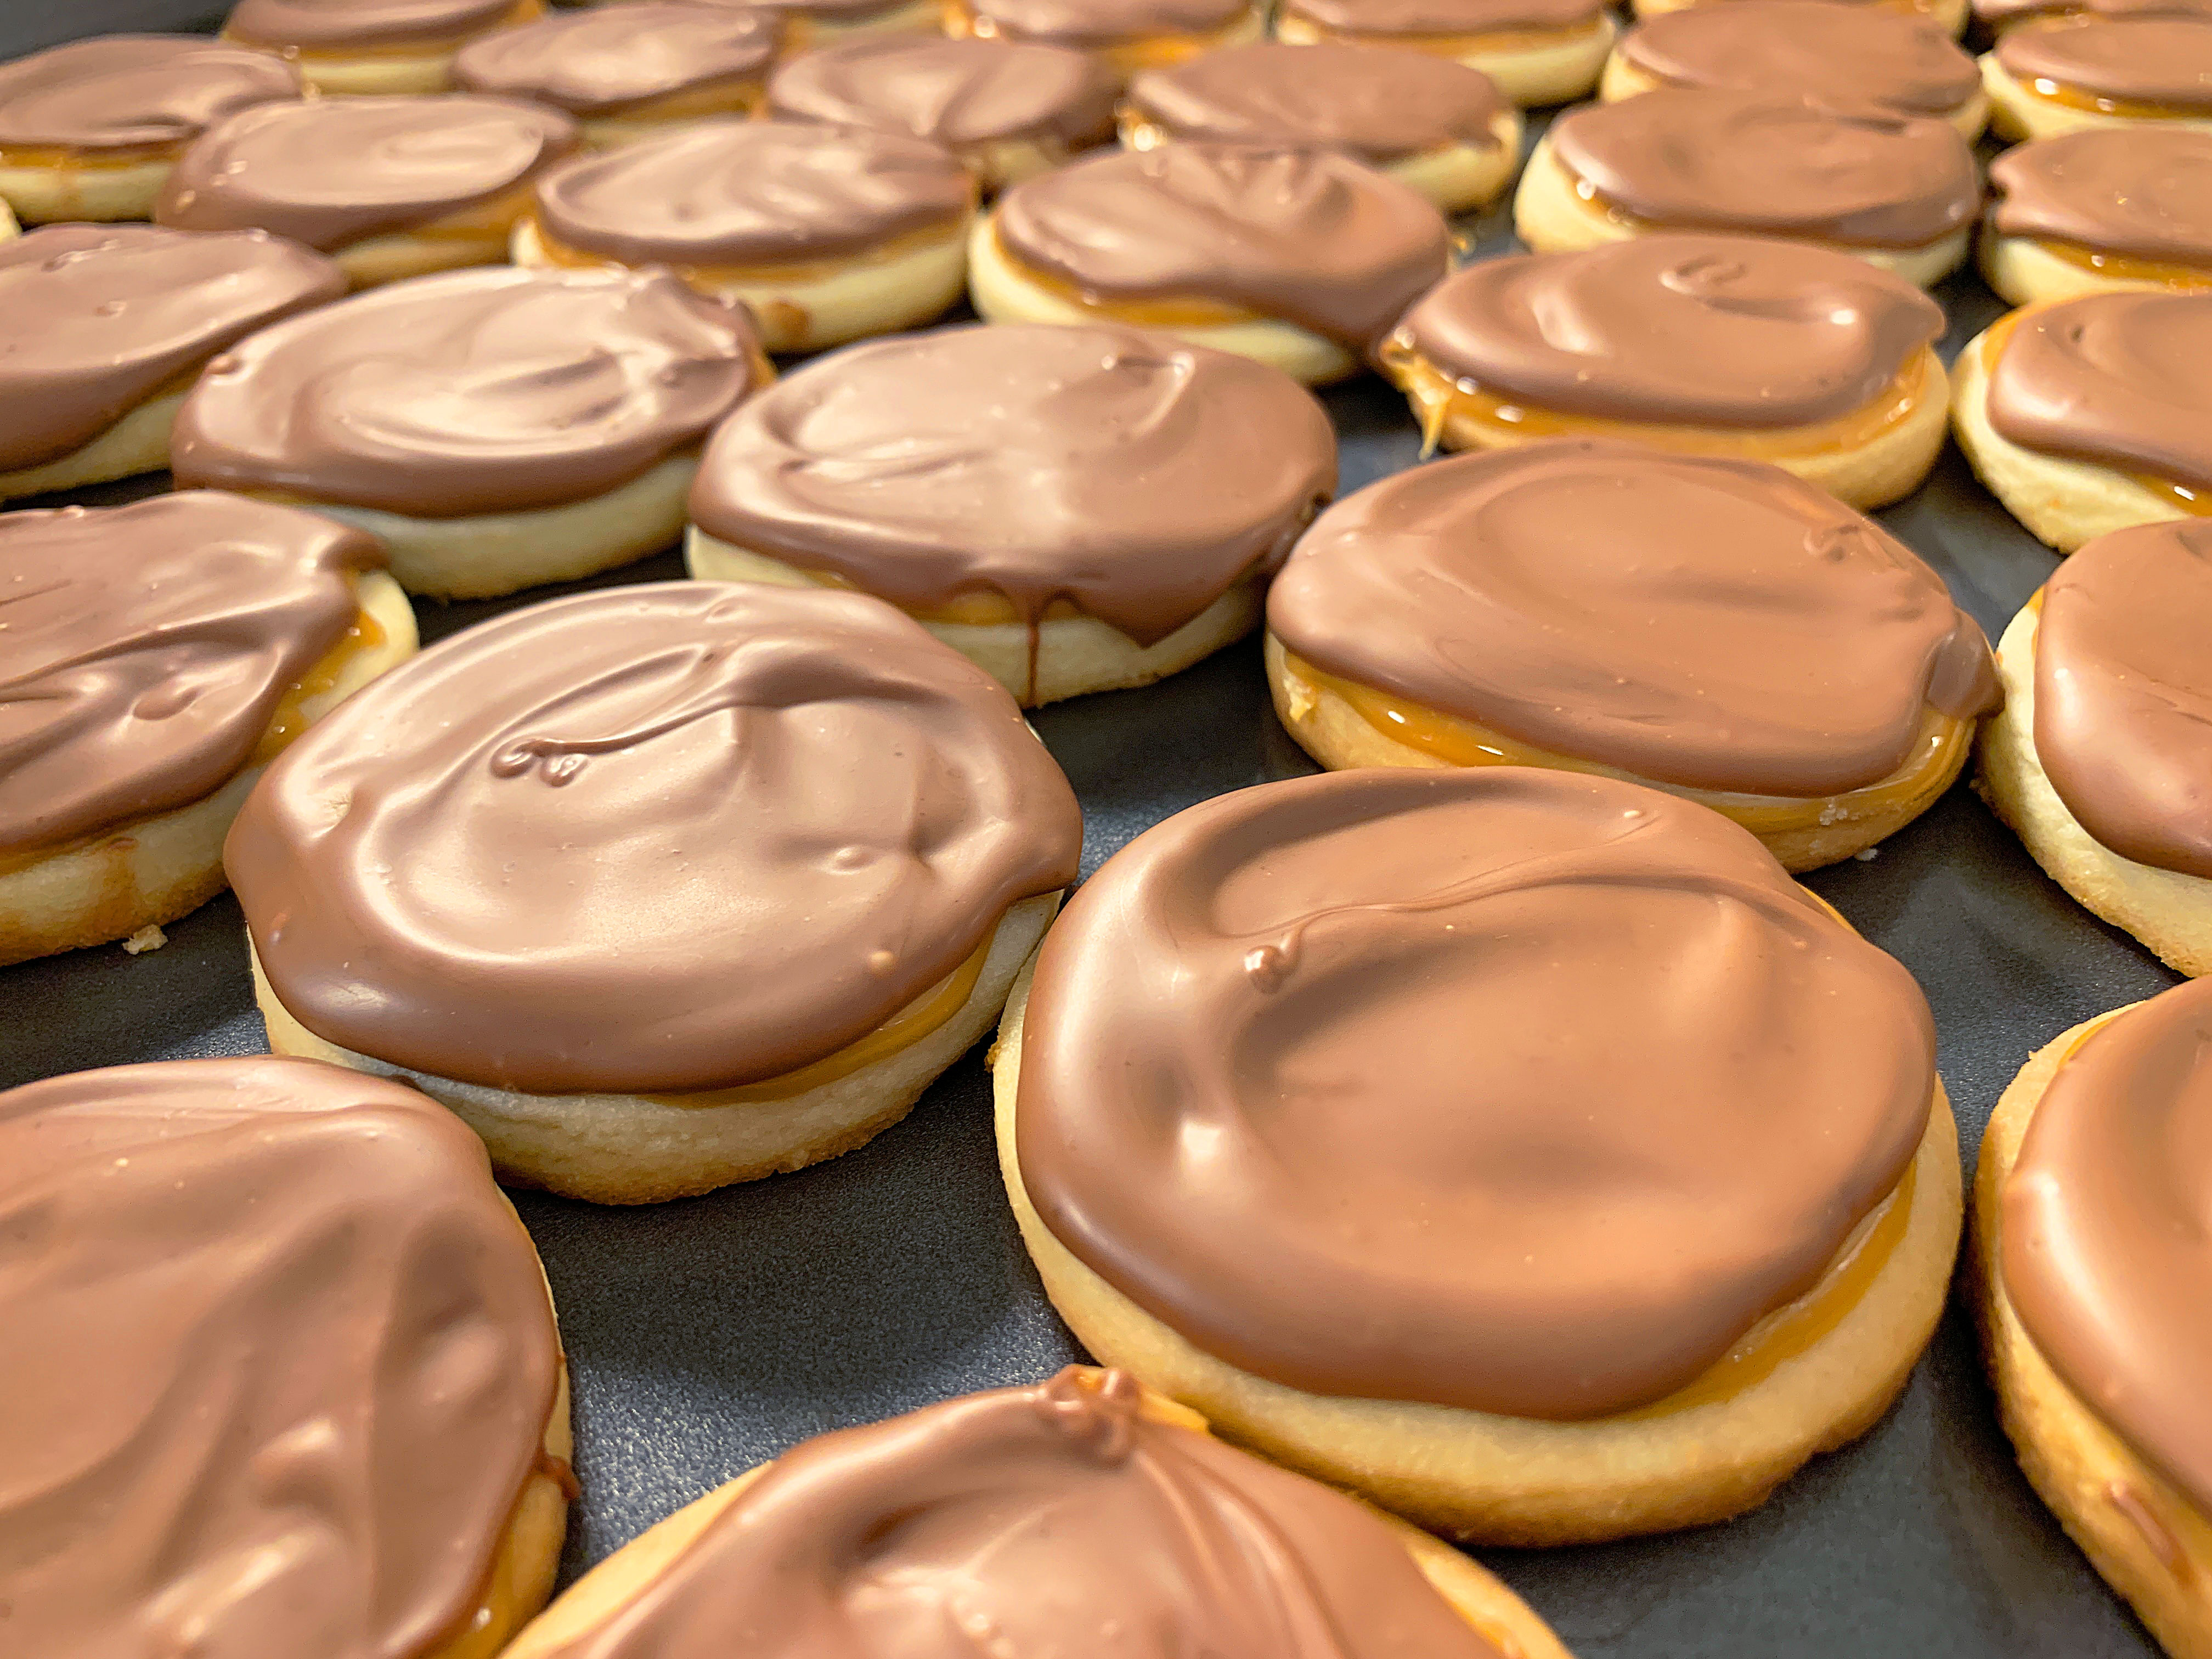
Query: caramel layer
<point>65,158</point>
<point>715,277</point>
<point>2057,92</point>
<point>1141,314</point>
<point>1468,45</point>
<point>2126,267</point>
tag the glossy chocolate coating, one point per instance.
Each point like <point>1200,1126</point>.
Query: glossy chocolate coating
<point>954,93</point>
<point>133,91</point>
<point>2165,62</point>
<point>2142,192</point>
<point>336,25</point>
<point>2005,11</point>
<point>1104,22</point>
<point>607,59</point>
<point>1444,17</point>
<point>1838,54</point>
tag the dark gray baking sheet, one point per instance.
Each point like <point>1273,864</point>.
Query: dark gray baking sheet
<point>707,1335</point>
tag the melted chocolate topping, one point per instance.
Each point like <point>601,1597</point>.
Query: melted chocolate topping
<point>325,24</point>
<point>1714,158</point>
<point>330,172</point>
<point>1707,331</point>
<point>1105,22</point>
<point>738,192</point>
<point>604,60</point>
<point>954,93</point>
<point>125,91</point>
<point>1717,624</point>
<point>2124,692</point>
<point>1375,102</point>
<point>1516,1091</point>
<point>2163,61</point>
<point>295,1363</point>
<point>674,837</point>
<point>1306,235</point>
<point>1444,17</point>
<point>2107,1241</point>
<point>489,391</point>
<point>1134,475</point>
<point>2005,11</point>
<point>1038,1518</point>
<point>96,319</point>
<point>2122,380</point>
<point>2142,190</point>
<point>1811,48</point>
<point>143,650</point>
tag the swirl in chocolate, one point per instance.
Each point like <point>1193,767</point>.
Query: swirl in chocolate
<point>96,319</point>
<point>2162,62</point>
<point>1515,1091</point>
<point>1039,1517</point>
<point>1715,624</point>
<point>2124,692</point>
<point>671,838</point>
<point>477,391</point>
<point>2105,1244</point>
<point>143,650</point>
<point>954,93</point>
<point>1715,158</point>
<point>330,172</point>
<point>605,60</point>
<point>1375,102</point>
<point>295,1364</point>
<point>2121,380</point>
<point>748,193</point>
<point>1471,18</point>
<point>323,25</point>
<point>121,92</point>
<point>1308,236</point>
<point>1103,22</point>
<point>1901,63</point>
<point>1711,330</point>
<point>2142,192</point>
<point>1138,477</point>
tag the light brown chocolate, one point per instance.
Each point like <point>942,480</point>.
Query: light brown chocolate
<point>1308,236</point>
<point>1137,476</point>
<point>958,94</point>
<point>2104,1242</point>
<point>125,92</point>
<point>2123,380</point>
<point>1710,623</point>
<point>490,391</point>
<point>610,59</point>
<point>1523,1092</point>
<point>295,1363</point>
<point>143,650</point>
<point>336,25</point>
<point>732,192</point>
<point>2141,191</point>
<point>1097,23</point>
<point>1405,18</point>
<point>1710,331</point>
<point>1377,103</point>
<point>1903,64</point>
<point>1716,158</point>
<point>96,319</point>
<point>331,172</point>
<point>2124,692</point>
<point>671,838</point>
<point>2005,11</point>
<point>2164,62</point>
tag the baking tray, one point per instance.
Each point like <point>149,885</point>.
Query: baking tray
<point>707,1335</point>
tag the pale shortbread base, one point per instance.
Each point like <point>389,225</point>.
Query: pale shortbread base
<point>639,1149</point>
<point>1622,79</point>
<point>1552,216</point>
<point>2064,503</point>
<point>1338,735</point>
<point>137,443</point>
<point>1486,1478</point>
<point>382,74</point>
<point>2026,273</point>
<point>2072,1459</point>
<point>2168,911</point>
<point>863,296</point>
<point>2016,112</point>
<point>377,260</point>
<point>147,873</point>
<point>9,227</point>
<point>1457,177</point>
<point>1004,294</point>
<point>1532,74</point>
<point>1075,655</point>
<point>98,195</point>
<point>1949,14</point>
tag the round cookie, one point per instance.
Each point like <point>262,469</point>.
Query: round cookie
<point>1603,608</point>
<point>827,234</point>
<point>300,1387</point>
<point>1711,345</point>
<point>155,657</point>
<point>2048,77</point>
<point>1538,51</point>
<point>1833,53</point>
<point>1301,258</point>
<point>1074,509</point>
<point>2100,761</point>
<point>2098,210</point>
<point>1049,1511</point>
<point>1898,191</point>
<point>89,130</point>
<point>103,329</point>
<point>1524,1151</point>
<point>373,47</point>
<point>1129,34</point>
<point>2092,1281</point>
<point>1949,15</point>
<point>633,71</point>
<point>388,187</point>
<point>529,426</point>
<point>732,873</point>
<point>2091,414</point>
<point>1429,121</point>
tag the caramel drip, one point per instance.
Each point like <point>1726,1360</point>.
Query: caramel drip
<point>2128,268</point>
<point>710,279</point>
<point>1180,313</point>
<point>2130,109</point>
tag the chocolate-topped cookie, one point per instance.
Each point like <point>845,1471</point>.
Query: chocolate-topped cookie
<point>2103,209</point>
<point>1130,34</point>
<point>366,47</point>
<point>2071,74</point>
<point>1538,52</point>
